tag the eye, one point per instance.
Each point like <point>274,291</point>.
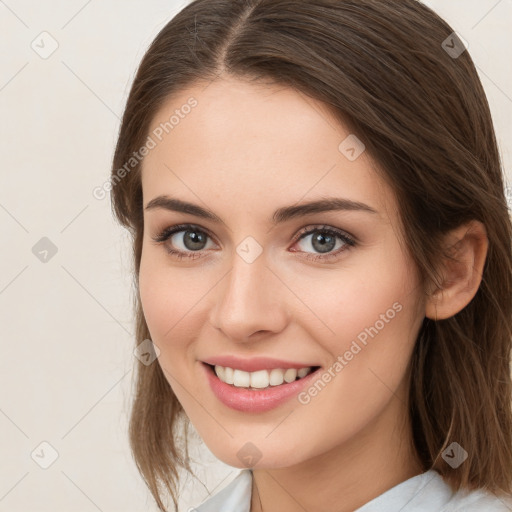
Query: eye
<point>185,240</point>
<point>188,241</point>
<point>324,240</point>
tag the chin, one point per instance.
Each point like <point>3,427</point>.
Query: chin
<point>257,454</point>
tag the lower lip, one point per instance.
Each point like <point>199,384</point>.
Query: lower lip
<point>255,400</point>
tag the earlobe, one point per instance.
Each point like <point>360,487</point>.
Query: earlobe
<point>461,272</point>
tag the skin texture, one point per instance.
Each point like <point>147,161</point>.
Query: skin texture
<point>242,152</point>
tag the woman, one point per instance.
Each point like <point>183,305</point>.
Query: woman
<point>322,258</point>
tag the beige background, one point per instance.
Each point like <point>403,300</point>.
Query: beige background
<point>66,341</point>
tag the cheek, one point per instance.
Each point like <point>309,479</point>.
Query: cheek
<point>374,294</point>
<point>152,296</point>
<point>370,316</point>
<point>374,338</point>
<point>173,301</point>
<point>167,298</point>
<point>379,325</point>
<point>161,295</point>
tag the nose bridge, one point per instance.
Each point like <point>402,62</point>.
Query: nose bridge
<point>249,299</point>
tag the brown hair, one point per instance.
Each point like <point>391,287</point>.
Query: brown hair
<point>424,118</point>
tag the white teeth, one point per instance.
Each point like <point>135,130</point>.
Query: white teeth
<point>241,379</point>
<point>260,379</point>
<point>290,375</point>
<point>228,375</point>
<point>303,372</point>
<point>221,372</point>
<point>276,377</point>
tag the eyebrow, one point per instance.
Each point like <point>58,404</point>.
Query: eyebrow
<point>280,215</point>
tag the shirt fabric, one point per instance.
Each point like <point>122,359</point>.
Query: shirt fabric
<point>427,492</point>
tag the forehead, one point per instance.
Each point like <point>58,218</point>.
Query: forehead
<point>254,145</point>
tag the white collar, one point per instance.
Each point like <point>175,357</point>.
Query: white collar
<point>235,497</point>
<point>422,493</point>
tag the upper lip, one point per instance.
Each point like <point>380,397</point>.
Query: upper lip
<point>254,363</point>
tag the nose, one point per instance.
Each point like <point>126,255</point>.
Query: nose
<point>250,302</point>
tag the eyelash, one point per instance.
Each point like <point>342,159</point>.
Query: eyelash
<point>166,233</point>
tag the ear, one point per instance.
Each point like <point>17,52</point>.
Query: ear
<point>461,271</point>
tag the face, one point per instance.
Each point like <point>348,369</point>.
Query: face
<point>329,288</point>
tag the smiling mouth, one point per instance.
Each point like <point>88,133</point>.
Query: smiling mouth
<point>261,379</point>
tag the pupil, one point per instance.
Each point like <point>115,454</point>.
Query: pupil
<point>194,240</point>
<point>324,243</point>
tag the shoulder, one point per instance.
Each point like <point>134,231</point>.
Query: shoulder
<point>429,492</point>
<point>464,500</point>
<point>235,497</point>
<point>476,501</point>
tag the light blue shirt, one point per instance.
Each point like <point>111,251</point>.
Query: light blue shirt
<point>427,492</point>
